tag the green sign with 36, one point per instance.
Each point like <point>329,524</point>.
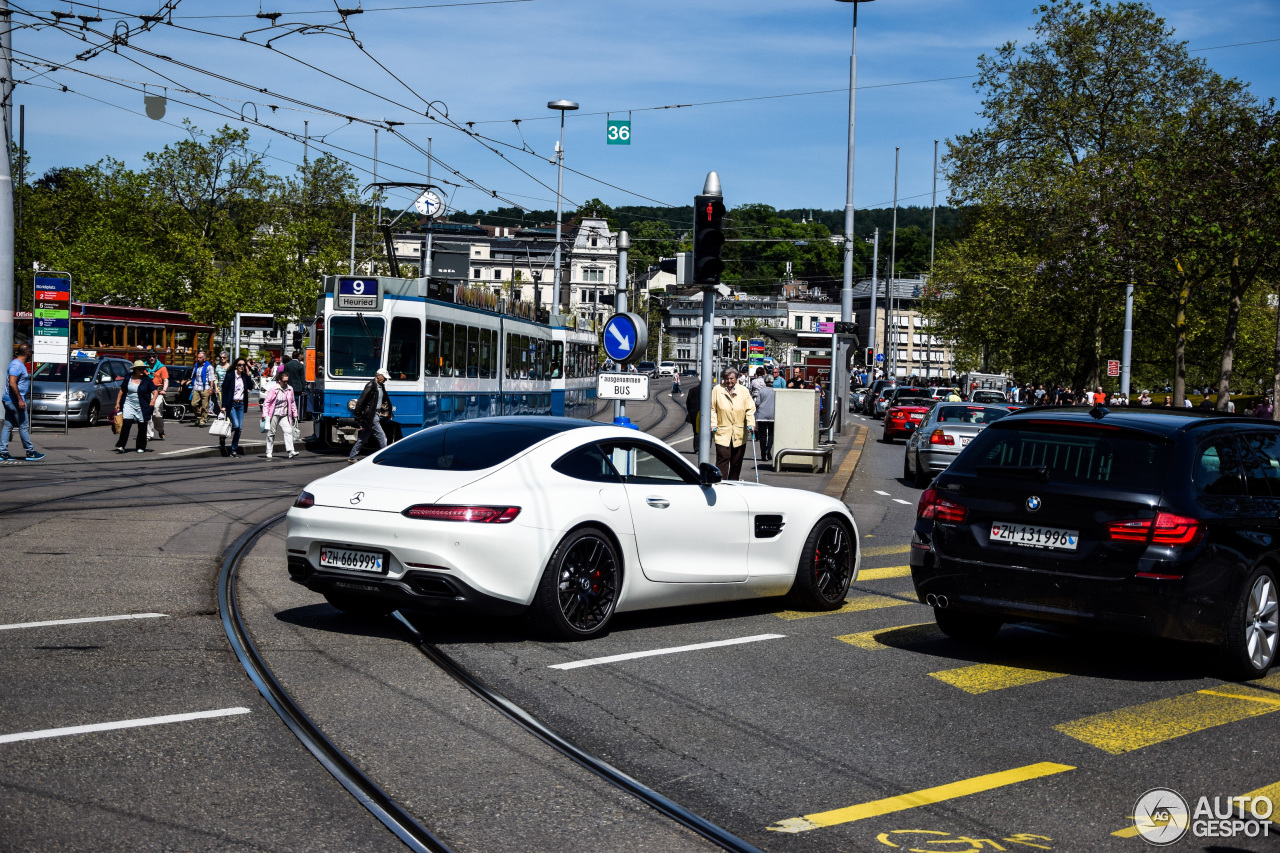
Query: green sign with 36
<point>619,133</point>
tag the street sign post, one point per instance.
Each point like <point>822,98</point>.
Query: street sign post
<point>622,386</point>
<point>618,132</point>
<point>51,330</point>
<point>626,338</point>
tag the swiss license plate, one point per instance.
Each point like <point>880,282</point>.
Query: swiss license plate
<point>965,441</point>
<point>1034,536</point>
<point>350,559</point>
<point>40,407</point>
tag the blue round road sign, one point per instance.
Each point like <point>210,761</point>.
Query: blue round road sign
<point>621,337</point>
<point>879,356</point>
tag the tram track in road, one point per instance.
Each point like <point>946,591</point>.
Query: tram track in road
<point>407,827</point>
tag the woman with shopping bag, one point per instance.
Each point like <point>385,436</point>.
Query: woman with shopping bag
<point>135,403</point>
<point>234,398</point>
<point>280,411</point>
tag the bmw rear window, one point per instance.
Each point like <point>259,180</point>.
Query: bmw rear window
<point>1069,454</point>
<point>466,446</point>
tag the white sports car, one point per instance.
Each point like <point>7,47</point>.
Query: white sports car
<point>566,520</point>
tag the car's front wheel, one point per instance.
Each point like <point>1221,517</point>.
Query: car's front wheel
<point>826,566</point>
<point>94,416</point>
<point>579,588</point>
<point>966,627</point>
<point>1253,627</point>
<point>360,606</point>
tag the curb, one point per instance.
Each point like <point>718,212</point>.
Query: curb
<point>848,466</point>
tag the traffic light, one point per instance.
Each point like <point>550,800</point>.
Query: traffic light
<point>708,238</point>
<point>871,357</point>
<point>724,347</point>
<point>742,351</point>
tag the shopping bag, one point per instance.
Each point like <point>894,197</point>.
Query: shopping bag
<point>297,431</point>
<point>117,423</point>
<point>263,426</point>
<point>221,427</point>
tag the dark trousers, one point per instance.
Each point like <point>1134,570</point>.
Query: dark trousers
<point>729,461</point>
<point>764,433</point>
<point>125,426</point>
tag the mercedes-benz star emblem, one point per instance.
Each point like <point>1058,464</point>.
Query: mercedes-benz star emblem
<point>1033,503</point>
<point>357,497</point>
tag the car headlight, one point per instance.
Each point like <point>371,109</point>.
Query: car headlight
<point>78,395</point>
<point>351,405</point>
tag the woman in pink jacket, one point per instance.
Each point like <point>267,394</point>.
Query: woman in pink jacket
<point>280,410</point>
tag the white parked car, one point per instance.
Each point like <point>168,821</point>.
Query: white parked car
<point>667,368</point>
<point>561,519</point>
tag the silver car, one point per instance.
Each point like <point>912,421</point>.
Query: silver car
<point>942,435</point>
<point>94,383</point>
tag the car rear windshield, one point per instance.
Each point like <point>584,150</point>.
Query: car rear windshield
<point>468,446</point>
<point>1077,454</point>
<point>970,415</point>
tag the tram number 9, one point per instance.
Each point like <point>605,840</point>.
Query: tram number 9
<point>357,287</point>
<point>622,390</point>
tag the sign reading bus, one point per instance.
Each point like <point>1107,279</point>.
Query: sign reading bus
<point>51,321</point>
<point>622,386</point>
<point>358,294</point>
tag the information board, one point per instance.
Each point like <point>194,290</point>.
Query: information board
<point>358,294</point>
<point>51,321</point>
<point>622,386</point>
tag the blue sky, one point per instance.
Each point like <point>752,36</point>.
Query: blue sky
<point>502,61</point>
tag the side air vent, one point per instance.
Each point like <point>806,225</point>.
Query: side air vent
<point>768,526</point>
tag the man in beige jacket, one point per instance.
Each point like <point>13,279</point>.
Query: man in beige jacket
<point>733,420</point>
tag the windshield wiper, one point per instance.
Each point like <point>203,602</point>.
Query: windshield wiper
<point>1031,472</point>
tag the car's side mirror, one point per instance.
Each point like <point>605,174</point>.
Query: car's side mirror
<point>709,474</point>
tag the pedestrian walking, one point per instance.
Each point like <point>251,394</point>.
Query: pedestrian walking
<point>280,409</point>
<point>733,422</point>
<point>203,385</point>
<point>371,407</point>
<point>159,376</point>
<point>779,381</point>
<point>297,371</point>
<point>135,403</point>
<point>17,388</point>
<point>220,369</point>
<point>234,399</point>
<point>675,383</point>
<point>764,399</point>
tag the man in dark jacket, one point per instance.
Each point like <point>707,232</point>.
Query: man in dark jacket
<point>372,406</point>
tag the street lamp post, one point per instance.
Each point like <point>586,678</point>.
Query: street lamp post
<point>563,107</point>
<point>846,292</point>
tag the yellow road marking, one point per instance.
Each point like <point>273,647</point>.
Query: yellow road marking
<point>885,550</point>
<point>867,639</point>
<point>851,605</point>
<point>928,796</point>
<point>986,677</point>
<point>1127,832</point>
<point>884,574</point>
<point>1127,729</point>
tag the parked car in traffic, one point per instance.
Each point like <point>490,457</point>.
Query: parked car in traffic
<point>904,415</point>
<point>667,368</point>
<point>857,397</point>
<point>987,396</point>
<point>890,396</point>
<point>948,429</point>
<point>875,393</point>
<point>939,393</point>
<point>93,387</point>
<point>648,368</point>
<point>1158,522</point>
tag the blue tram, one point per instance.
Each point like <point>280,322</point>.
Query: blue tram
<point>451,353</point>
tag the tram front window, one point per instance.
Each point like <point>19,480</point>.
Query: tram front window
<point>355,346</point>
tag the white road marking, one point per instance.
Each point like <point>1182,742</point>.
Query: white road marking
<point>901,501</point>
<point>878,492</point>
<point>682,440</point>
<point>81,621</point>
<point>671,651</point>
<point>122,724</point>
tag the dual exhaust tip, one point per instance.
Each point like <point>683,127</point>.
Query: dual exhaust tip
<point>938,601</point>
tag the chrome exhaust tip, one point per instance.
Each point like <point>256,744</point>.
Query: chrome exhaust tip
<point>942,601</point>
<point>931,600</point>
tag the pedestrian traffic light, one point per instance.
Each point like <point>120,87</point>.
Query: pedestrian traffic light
<point>708,239</point>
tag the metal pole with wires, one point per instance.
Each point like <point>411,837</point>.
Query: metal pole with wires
<point>846,292</point>
<point>890,288</point>
<point>563,107</point>
<point>6,189</point>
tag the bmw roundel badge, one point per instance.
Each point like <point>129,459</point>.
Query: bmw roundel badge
<point>1033,503</point>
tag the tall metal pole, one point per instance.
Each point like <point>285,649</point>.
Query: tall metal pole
<point>1127,350</point>
<point>933,227</point>
<point>846,293</point>
<point>563,107</point>
<point>890,287</point>
<point>352,270</point>
<point>424,269</point>
<point>707,380</point>
<point>620,305</point>
<point>6,191</point>
<point>875,279</point>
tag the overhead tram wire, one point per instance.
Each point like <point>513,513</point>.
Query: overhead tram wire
<point>365,11</point>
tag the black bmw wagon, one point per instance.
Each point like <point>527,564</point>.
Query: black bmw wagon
<point>1163,523</point>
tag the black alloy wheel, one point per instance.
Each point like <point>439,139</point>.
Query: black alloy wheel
<point>826,566</point>
<point>578,591</point>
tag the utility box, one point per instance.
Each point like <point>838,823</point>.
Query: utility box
<point>795,425</point>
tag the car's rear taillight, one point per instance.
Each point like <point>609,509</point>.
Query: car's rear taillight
<point>940,437</point>
<point>482,514</point>
<point>1165,529</point>
<point>898,414</point>
<point>934,507</point>
<point>305,500</point>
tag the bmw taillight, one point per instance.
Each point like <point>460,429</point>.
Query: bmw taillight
<point>1165,529</point>
<point>940,437</point>
<point>305,500</point>
<point>445,512</point>
<point>933,507</point>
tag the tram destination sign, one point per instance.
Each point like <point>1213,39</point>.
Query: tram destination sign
<point>358,294</point>
<point>622,386</point>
